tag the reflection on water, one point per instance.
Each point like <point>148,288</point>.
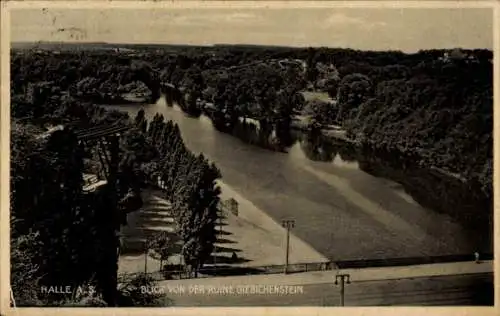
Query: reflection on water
<point>464,202</point>
<point>317,147</point>
<point>274,183</point>
<point>313,146</point>
<point>430,188</point>
<point>252,133</point>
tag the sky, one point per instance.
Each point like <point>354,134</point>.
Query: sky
<point>407,29</point>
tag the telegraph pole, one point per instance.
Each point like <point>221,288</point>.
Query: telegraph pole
<point>344,279</point>
<point>288,224</point>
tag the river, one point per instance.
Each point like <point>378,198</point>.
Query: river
<point>343,212</point>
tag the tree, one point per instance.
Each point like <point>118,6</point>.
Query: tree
<point>312,72</point>
<point>353,90</point>
<point>24,272</point>
<point>132,292</point>
<point>161,246</point>
<point>331,85</point>
<point>140,121</point>
<point>320,113</point>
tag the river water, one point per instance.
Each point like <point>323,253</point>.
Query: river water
<point>340,210</point>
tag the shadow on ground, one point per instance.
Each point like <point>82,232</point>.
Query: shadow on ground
<point>152,219</point>
<point>393,262</point>
<point>155,217</point>
<point>226,259</point>
<point>227,270</point>
<point>225,241</point>
<point>220,249</point>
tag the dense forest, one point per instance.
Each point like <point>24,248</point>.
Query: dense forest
<point>57,227</point>
<point>433,105</point>
<point>434,108</point>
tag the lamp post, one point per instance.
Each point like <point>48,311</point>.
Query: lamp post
<point>288,224</point>
<point>344,279</point>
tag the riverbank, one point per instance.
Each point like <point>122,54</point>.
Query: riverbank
<point>321,196</point>
<point>335,132</point>
<point>329,131</point>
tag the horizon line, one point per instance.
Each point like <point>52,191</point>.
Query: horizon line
<point>242,44</point>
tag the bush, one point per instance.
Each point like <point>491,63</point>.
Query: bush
<point>141,290</point>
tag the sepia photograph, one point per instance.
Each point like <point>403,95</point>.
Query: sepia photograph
<point>250,156</point>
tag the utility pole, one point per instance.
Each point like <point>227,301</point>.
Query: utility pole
<point>288,224</point>
<point>344,279</point>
